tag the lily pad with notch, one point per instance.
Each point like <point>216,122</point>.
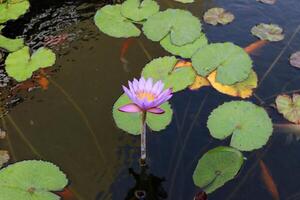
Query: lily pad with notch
<point>13,10</point>
<point>137,10</point>
<point>289,107</point>
<point>164,69</point>
<point>270,32</point>
<point>182,26</point>
<point>216,167</point>
<point>111,22</point>
<point>232,63</point>
<point>185,51</point>
<point>249,125</point>
<point>20,65</point>
<point>216,16</point>
<point>31,180</point>
<point>131,122</point>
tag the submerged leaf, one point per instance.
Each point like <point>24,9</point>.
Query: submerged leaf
<point>182,26</point>
<point>248,123</point>
<point>289,107</point>
<point>164,69</point>
<point>295,59</point>
<point>271,2</point>
<point>110,21</point>
<point>185,51</point>
<point>20,65</point>
<point>11,45</point>
<point>216,16</point>
<point>271,32</point>
<point>31,180</point>
<point>4,157</point>
<point>242,89</point>
<point>13,10</point>
<point>137,10</point>
<point>232,63</point>
<point>131,122</point>
<point>216,167</point>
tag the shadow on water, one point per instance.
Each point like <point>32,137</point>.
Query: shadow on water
<point>71,123</point>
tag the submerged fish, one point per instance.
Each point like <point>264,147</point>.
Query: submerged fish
<point>200,196</point>
<point>292,131</point>
<point>66,194</point>
<point>251,48</point>
<point>123,51</point>
<point>52,41</point>
<point>268,180</point>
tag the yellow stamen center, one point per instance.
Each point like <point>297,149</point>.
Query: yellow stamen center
<point>147,95</point>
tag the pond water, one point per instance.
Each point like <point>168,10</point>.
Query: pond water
<point>71,124</point>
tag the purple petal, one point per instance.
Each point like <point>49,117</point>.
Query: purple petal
<point>135,85</point>
<point>156,110</point>
<point>149,84</point>
<point>130,108</point>
<point>128,92</point>
<point>142,84</point>
<point>131,87</point>
<point>158,86</point>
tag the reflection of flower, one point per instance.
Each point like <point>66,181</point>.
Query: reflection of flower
<point>146,96</point>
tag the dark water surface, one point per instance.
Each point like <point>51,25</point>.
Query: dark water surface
<point>71,124</point>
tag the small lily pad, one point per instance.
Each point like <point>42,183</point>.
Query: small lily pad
<point>271,2</point>
<point>11,45</point>
<point>185,51</point>
<point>289,107</point>
<point>216,16</point>
<point>4,157</point>
<point>163,69</point>
<point>216,167</point>
<point>182,26</point>
<point>232,63</point>
<point>137,10</point>
<point>131,122</point>
<point>242,89</point>
<point>111,22</point>
<point>31,180</point>
<point>12,11</point>
<point>271,32</point>
<point>20,65</point>
<point>295,59</point>
<point>249,124</point>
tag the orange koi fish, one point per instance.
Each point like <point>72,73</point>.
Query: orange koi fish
<point>66,194</point>
<point>124,49</point>
<point>268,180</point>
<point>255,45</point>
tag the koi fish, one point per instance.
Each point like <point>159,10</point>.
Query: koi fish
<point>66,194</point>
<point>200,196</point>
<point>255,45</point>
<point>124,49</point>
<point>292,131</point>
<point>268,180</point>
<point>52,41</point>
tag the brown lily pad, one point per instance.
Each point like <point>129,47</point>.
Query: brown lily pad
<point>270,32</point>
<point>295,59</point>
<point>289,107</point>
<point>216,16</point>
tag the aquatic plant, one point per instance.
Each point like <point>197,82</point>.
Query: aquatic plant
<point>289,107</point>
<point>146,97</point>
<point>32,180</point>
<point>11,45</point>
<point>216,16</point>
<point>11,10</point>
<point>295,59</point>
<point>270,32</point>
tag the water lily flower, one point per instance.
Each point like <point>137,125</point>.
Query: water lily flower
<point>146,96</point>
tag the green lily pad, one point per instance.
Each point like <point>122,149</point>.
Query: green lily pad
<point>232,63</point>
<point>131,122</point>
<point>20,65</point>
<point>163,69</point>
<point>110,21</point>
<point>289,107</point>
<point>249,124</point>
<point>4,157</point>
<point>13,10</point>
<point>216,16</point>
<point>182,26</point>
<point>11,44</point>
<point>31,180</point>
<point>271,32</point>
<point>137,10</point>
<point>216,167</point>
<point>185,51</point>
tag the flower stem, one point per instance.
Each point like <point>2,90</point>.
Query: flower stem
<point>143,140</point>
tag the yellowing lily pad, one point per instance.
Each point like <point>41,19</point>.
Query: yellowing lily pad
<point>249,125</point>
<point>185,51</point>
<point>11,44</point>
<point>271,32</point>
<point>182,26</point>
<point>242,89</point>
<point>216,16</point>
<point>111,22</point>
<point>232,63</point>
<point>13,10</point>
<point>295,59</point>
<point>289,107</point>
<point>31,180</point>
<point>216,167</point>
<point>164,69</point>
<point>137,10</point>
<point>20,65</point>
<point>131,122</point>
